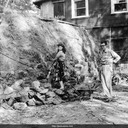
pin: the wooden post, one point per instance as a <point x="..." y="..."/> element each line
<point x="110" y="39"/>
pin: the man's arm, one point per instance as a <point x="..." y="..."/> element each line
<point x="115" y="56"/>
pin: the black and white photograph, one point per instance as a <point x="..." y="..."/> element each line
<point x="63" y="63"/>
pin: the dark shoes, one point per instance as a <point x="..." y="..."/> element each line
<point x="112" y="99"/>
<point x="105" y="98"/>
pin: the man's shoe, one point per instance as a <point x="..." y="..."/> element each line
<point x="61" y="88"/>
<point x="110" y="99"/>
<point x="113" y="99"/>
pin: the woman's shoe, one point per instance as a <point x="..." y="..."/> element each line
<point x="61" y="88"/>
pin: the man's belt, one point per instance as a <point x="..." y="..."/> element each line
<point x="105" y="64"/>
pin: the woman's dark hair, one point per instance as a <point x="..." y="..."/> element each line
<point x="63" y="47"/>
<point x="105" y="42"/>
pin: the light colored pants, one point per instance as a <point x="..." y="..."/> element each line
<point x="106" y="79"/>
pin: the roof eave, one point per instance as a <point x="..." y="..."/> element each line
<point x="38" y="3"/>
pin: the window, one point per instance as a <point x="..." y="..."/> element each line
<point x="59" y="9"/>
<point x="119" y="6"/>
<point x="119" y="39"/>
<point x="79" y="8"/>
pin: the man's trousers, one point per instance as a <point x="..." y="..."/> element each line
<point x="106" y="79"/>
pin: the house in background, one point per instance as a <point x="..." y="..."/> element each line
<point x="105" y="19"/>
<point x="51" y="8"/>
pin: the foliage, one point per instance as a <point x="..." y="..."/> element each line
<point x="17" y="4"/>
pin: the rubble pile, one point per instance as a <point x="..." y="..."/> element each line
<point x="25" y="92"/>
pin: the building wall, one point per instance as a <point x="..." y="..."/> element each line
<point x="101" y="23"/>
<point x="99" y="15"/>
<point x="47" y="10"/>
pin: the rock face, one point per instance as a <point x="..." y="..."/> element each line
<point x="26" y="41"/>
<point x="27" y="49"/>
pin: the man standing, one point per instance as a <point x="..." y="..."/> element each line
<point x="106" y="58"/>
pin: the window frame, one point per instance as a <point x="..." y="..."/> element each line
<point x="117" y="12"/>
<point x="73" y="9"/>
<point x="59" y="1"/>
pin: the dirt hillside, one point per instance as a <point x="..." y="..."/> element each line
<point x="26" y="40"/>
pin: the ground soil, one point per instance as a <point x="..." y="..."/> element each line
<point x="79" y="112"/>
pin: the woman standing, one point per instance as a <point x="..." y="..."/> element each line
<point x="60" y="57"/>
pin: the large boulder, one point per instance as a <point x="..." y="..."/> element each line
<point x="26" y="41"/>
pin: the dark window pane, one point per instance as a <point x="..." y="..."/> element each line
<point x="59" y="9"/>
<point x="119" y="32"/>
<point x="121" y="7"/>
<point x="80" y="4"/>
<point x="80" y="12"/>
<point x="120" y="46"/>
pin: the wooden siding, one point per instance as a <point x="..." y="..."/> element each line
<point x="47" y="10"/>
<point x="99" y="15"/>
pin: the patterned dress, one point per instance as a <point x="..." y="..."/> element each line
<point x="60" y="65"/>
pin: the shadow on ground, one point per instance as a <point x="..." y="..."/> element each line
<point x="79" y="112"/>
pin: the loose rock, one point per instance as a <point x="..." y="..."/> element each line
<point x="17" y="85"/>
<point x="50" y="94"/>
<point x="31" y="102"/>
<point x="36" y="84"/>
<point x="8" y="90"/>
<point x="59" y="92"/>
<point x="47" y="85"/>
<point x="20" y="106"/>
